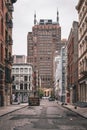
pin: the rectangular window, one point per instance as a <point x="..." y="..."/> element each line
<point x="21" y="86"/>
<point x="26" y="70"/>
<point x="25" y="78"/>
<point x="13" y="87"/>
<point x="17" y="69"/>
<point x="29" y="86"/>
<point x="25" y="86"/>
<point x="21" y="69"/>
<point x="29" y="78"/>
<point x="2" y="27"/>
<point x="13" y="78"/>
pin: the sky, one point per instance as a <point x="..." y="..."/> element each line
<point x="23" y="19"/>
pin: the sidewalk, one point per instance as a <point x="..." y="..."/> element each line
<point x="82" y="111"/>
<point x="8" y="109"/>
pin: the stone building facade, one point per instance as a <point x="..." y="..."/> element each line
<point x="22" y="84"/>
<point x="22" y="79"/>
<point x="82" y="50"/>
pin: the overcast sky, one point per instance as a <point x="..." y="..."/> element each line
<point x="23" y="18"/>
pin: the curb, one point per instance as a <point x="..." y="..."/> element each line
<point x="75" y="112"/>
<point x="13" y="111"/>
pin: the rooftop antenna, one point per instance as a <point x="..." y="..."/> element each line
<point x="57" y="17"/>
<point x="35" y="18"/>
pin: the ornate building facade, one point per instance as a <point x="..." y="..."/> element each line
<point x="82" y="50"/>
<point x="22" y="79"/>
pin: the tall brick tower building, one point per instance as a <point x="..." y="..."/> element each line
<point x="42" y="43"/>
<point x="6" y="25"/>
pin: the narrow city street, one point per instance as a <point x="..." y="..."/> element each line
<point x="48" y="116"/>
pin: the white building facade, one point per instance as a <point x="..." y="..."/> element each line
<point x="22" y="79"/>
<point x="60" y="79"/>
<point x="57" y="73"/>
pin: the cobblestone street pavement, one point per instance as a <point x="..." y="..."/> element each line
<point x="49" y="115"/>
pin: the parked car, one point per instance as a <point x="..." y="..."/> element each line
<point x="45" y="97"/>
<point x="51" y="99"/>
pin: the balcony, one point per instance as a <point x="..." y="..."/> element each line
<point x="8" y="81"/>
<point x="84" y="72"/>
<point x="6" y="60"/>
<point x="9" y="60"/>
<point x="1" y="68"/>
<point x="10" y="7"/>
<point x="9" y="42"/>
<point x="8" y="78"/>
<point x="9" y="23"/>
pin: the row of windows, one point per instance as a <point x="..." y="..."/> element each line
<point x="21" y="87"/>
<point x="44" y="58"/>
<point x="44" y="52"/>
<point x="23" y="78"/>
<point x="45" y="77"/>
<point x="82" y="48"/>
<point x="82" y="29"/>
<point x="30" y="60"/>
<point x="44" y="37"/>
<point x="83" y="11"/>
<point x="45" y="33"/>
<point x="45" y="27"/>
<point x="41" y="58"/>
<point x="44" y="44"/>
<point x="48" y="68"/>
<point x="83" y="65"/>
<point x="21" y="70"/>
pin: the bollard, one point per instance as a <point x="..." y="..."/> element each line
<point x="75" y="107"/>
